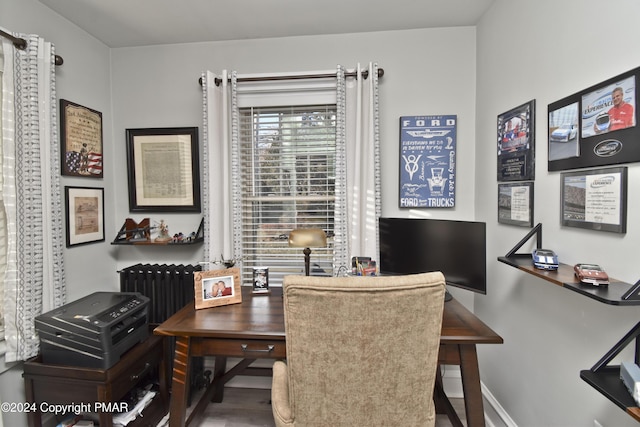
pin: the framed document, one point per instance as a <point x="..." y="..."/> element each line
<point x="85" y="215"/>
<point x="515" y="204"/>
<point x="81" y="137"/>
<point x="595" y="199"/>
<point x="163" y="170"/>
<point x="516" y="142"/>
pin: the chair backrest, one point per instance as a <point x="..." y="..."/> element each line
<point x="362" y="351"/>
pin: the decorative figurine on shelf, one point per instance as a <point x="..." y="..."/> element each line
<point x="163" y="235"/>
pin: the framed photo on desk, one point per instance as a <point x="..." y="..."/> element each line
<point x="217" y="287"/>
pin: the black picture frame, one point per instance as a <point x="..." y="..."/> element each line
<point x="595" y="199"/>
<point x="81" y="140"/>
<point x="596" y="143"/>
<point x="163" y="169"/>
<point x="515" y="203"/>
<point x="516" y="143"/>
<point x="84" y="215"/>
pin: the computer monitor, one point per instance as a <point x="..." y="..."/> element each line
<point x="456" y="248"/>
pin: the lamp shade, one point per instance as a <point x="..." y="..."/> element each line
<point x="307" y="238"/>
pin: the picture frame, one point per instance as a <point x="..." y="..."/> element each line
<point x="595" y="199"/>
<point x="214" y="288"/>
<point x="261" y="280"/>
<point x="163" y="169"/>
<point x="516" y="143"/>
<point x="515" y="203"/>
<point x="606" y="133"/>
<point x="84" y="215"/>
<point x="81" y="140"/>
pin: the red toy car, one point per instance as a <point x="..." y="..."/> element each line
<point x="591" y="274"/>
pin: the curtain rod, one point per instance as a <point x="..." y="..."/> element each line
<point x="22" y="45"/>
<point x="365" y="74"/>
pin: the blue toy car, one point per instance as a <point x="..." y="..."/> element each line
<point x="545" y="259"/>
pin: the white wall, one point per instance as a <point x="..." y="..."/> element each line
<point x="426" y="72"/>
<point x="546" y="50"/>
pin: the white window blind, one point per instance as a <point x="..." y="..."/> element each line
<point x="287" y="164"/>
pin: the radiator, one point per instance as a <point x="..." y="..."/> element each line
<point x="169" y="287"/>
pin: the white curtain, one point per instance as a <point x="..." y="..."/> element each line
<point x="358" y="207"/>
<point x="357" y="169"/>
<point x="217" y="199"/>
<point x="34" y="280"/>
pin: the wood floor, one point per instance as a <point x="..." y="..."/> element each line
<point x="247" y="407"/>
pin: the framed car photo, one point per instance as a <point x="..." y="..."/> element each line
<point x="597" y="126"/>
<point x="516" y="143"/>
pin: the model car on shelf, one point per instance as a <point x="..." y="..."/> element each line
<point x="545" y="259"/>
<point x="564" y="133"/>
<point x="591" y="274"/>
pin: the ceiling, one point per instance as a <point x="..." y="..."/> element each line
<point x="129" y="23"/>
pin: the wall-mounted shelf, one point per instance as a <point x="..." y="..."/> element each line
<point x="606" y="378"/>
<point x="616" y="293"/>
<point x="140" y="235"/>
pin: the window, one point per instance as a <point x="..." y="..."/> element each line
<point x="287" y="159"/>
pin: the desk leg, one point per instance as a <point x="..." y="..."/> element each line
<point x="180" y="382"/>
<point x="218" y="372"/>
<point x="471" y="385"/>
<point x="442" y="402"/>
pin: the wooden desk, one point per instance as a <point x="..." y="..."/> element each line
<point x="255" y="329"/>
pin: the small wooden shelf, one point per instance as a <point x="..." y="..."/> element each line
<point x="125" y="236"/>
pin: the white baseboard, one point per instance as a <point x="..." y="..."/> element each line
<point x="494" y="413"/>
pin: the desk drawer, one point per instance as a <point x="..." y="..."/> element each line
<point x="247" y="349"/>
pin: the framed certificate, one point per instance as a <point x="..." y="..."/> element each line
<point x="515" y="204"/>
<point x="595" y="199"/>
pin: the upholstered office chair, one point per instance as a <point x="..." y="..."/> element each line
<point x="361" y="351"/>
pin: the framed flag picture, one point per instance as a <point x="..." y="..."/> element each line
<point x="81" y="137"/>
<point x="427" y="161"/>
